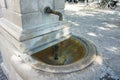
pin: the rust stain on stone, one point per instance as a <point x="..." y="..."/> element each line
<point x="69" y="51"/>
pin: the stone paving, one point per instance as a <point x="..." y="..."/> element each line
<point x="102" y="27"/>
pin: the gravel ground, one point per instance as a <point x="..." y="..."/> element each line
<point x="102" y="27"/>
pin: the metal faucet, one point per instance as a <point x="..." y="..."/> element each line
<point x="50" y="11"/>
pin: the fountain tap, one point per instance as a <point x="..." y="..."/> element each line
<point x="51" y="11"/>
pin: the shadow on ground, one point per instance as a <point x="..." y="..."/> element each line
<point x="102" y="27"/>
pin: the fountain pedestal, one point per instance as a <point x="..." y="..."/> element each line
<point x="27" y="28"/>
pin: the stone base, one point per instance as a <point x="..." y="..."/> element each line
<point x="16" y="69"/>
<point x="25" y="70"/>
<point x="89" y="73"/>
<point x="8" y="74"/>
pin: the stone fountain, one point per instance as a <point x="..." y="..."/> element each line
<point x="36" y="43"/>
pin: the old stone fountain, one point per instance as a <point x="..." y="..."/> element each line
<point x="36" y="43"/>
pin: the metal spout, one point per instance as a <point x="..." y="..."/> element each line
<point x="50" y="11"/>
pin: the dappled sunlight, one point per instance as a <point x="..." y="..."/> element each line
<point x="84" y="14"/>
<point x="73" y="7"/>
<point x="113" y="49"/>
<point x="107" y="11"/>
<point x="92" y="34"/>
<point x="58" y="35"/>
<point x="110" y="26"/>
<point x="75" y="24"/>
<point x="103" y="28"/>
<point x="99" y="60"/>
<point x="64" y="32"/>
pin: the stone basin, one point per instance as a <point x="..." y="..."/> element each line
<point x="73" y="54"/>
<point x="68" y="52"/>
<point x="78" y="59"/>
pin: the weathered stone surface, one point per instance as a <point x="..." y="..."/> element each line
<point x="26" y="13"/>
<point x="25" y="34"/>
<point x="32" y="19"/>
<point x="89" y="73"/>
<point x="45" y="3"/>
<point x="13" y="5"/>
<point x="29" y="6"/>
<point x="0" y="12"/>
<point x="37" y="19"/>
<point x="2" y="3"/>
<point x="13" y="17"/>
<point x="23" y="70"/>
<point x="59" y="4"/>
<point x="31" y="44"/>
<point x="29" y="30"/>
<point x="6" y="55"/>
<point x="21" y="6"/>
